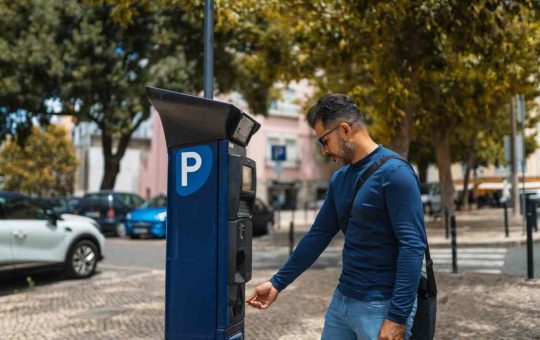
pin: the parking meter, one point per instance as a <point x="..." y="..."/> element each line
<point x="211" y="193"/>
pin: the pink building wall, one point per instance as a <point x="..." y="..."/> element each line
<point x="308" y="169"/>
<point x="153" y="171"/>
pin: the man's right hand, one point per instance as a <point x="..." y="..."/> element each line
<point x="263" y="296"/>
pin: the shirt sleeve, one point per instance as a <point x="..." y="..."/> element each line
<point x="404" y="206"/>
<point x="311" y="245"/>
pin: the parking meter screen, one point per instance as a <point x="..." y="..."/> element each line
<point x="243" y="130"/>
<point x="247" y="178"/>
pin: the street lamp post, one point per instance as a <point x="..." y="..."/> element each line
<point x="209" y="49"/>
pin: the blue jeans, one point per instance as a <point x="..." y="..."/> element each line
<point x="352" y="319"/>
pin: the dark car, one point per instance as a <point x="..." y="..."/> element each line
<point x="109" y="209"/>
<point x="263" y="218"/>
<point x="62" y="204"/>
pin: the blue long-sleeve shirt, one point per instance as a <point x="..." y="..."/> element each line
<point x="384" y="240"/>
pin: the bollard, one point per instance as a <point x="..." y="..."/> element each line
<point x="291" y="237"/>
<point x="454" y="245"/>
<point x="506" y="231"/>
<point x="278" y="217"/>
<point x="446" y="228"/>
<point x="531" y="219"/>
<point x="535" y="213"/>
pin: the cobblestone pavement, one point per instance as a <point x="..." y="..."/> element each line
<point x="126" y="304"/>
<point x="123" y="302"/>
<point x="129" y="304"/>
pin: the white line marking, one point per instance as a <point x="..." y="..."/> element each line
<point x="471" y="256"/>
<point x="472" y="263"/>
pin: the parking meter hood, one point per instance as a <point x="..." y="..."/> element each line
<point x="189" y="119"/>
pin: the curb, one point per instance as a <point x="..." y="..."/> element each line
<point x="446" y="242"/>
<point x="471" y="244"/>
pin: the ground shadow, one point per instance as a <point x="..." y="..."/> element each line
<point x="19" y="282"/>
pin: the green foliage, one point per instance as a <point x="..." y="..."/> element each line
<point x="249" y="53"/>
<point x="46" y="165"/>
<point x="109" y="63"/>
<point x="29" y="64"/>
<point x="97" y="59"/>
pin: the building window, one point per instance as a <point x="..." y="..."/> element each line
<point x="291" y="144"/>
<point x="286" y="105"/>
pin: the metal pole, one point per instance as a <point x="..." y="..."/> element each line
<point x="454" y="245"/>
<point x="446" y="224"/>
<point x="278" y="214"/>
<point x="506" y="231"/>
<point x="515" y="188"/>
<point x="291" y="237"/>
<point x="306" y="211"/>
<point x="531" y="216"/>
<point x="209" y="49"/>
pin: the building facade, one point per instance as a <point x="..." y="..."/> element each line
<point x="87" y="141"/>
<point x="300" y="180"/>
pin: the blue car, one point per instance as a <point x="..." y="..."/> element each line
<point x="148" y="220"/>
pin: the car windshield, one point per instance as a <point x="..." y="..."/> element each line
<point x="155" y="202"/>
<point x="56" y="202"/>
<point x="96" y="196"/>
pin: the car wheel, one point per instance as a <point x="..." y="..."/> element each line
<point x="120" y="230"/>
<point x="81" y="261"/>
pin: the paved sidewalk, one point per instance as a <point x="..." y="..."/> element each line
<point x="128" y="303"/>
<point x="124" y="304"/>
<point x="482" y="227"/>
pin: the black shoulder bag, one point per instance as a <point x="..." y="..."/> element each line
<point x="426" y="312"/>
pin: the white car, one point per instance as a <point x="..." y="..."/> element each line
<point x="32" y="236"/>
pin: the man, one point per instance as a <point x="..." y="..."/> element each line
<point x="384" y="235"/>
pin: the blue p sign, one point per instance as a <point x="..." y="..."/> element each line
<point x="194" y="165"/>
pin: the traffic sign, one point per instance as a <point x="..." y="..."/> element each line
<point x="279" y="153"/>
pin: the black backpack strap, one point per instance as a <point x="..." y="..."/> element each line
<point x="373" y="167"/>
<point x="432" y="286"/>
<point x="360" y="182"/>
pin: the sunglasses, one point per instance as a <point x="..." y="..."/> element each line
<point x="323" y="140"/>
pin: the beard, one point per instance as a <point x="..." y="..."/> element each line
<point x="346" y="154"/>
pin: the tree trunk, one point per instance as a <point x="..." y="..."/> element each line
<point x="111" y="170"/>
<point x="112" y="161"/>
<point x="402" y="139"/>
<point x="423" y="171"/>
<point x="444" y="162"/>
<point x="469" y="164"/>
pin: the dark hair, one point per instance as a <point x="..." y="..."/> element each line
<point x="332" y="107"/>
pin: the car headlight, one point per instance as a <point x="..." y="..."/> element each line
<point x="162" y="216"/>
<point x="128" y="216"/>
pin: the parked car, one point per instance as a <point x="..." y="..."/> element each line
<point x="149" y="219"/>
<point x="430" y="194"/>
<point x="109" y="209"/>
<point x="32" y="236"/>
<point x="263" y="218"/>
<point x="62" y="204"/>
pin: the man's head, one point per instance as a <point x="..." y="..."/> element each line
<point x="337" y="121"/>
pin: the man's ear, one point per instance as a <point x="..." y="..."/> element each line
<point x="346" y="129"/>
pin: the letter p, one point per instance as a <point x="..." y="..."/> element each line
<point x="189" y="168"/>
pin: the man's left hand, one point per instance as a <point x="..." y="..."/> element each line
<point x="391" y="330"/>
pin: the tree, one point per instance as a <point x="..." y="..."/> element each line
<point x="431" y="66"/>
<point x="45" y="165"/>
<point x="489" y="51"/>
<point x="108" y="64"/>
<point x="29" y="65"/>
